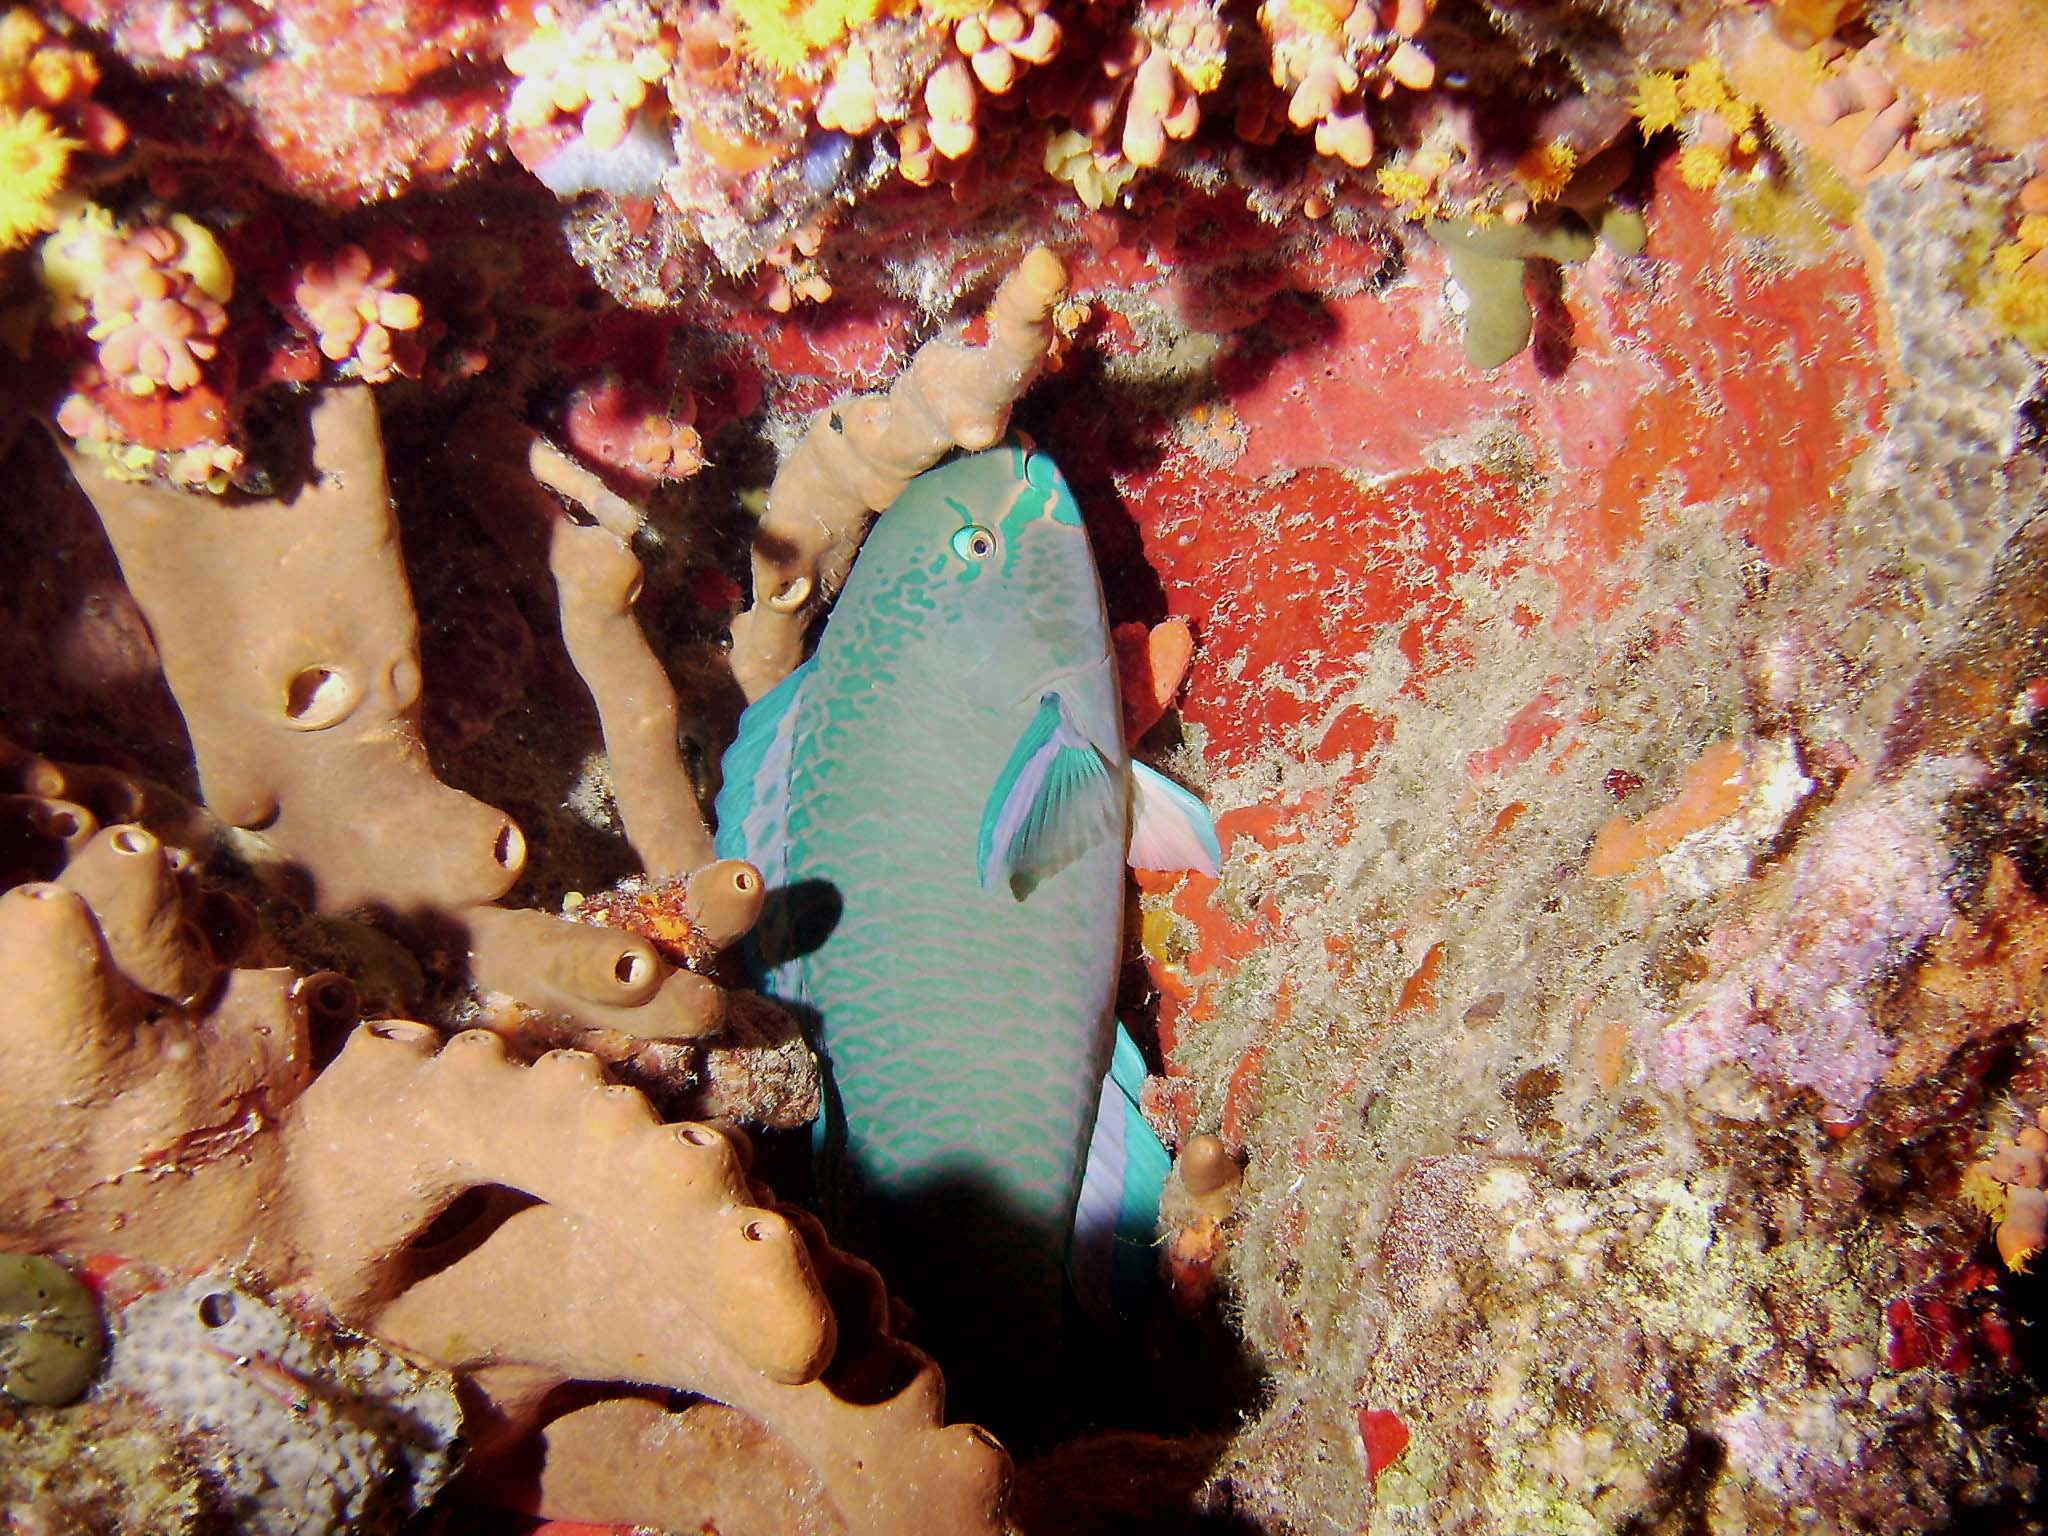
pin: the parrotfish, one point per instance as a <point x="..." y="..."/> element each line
<point x="941" y="804"/>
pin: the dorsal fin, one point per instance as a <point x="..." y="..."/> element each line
<point x="753" y="823"/>
<point x="753" y="802"/>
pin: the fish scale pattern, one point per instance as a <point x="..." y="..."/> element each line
<point x="966" y="1031"/>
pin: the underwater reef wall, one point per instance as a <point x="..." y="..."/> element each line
<point x="1566" y="476"/>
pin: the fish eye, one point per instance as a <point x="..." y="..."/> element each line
<point x="974" y="542"/>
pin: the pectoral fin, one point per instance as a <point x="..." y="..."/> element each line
<point x="1170" y="828"/>
<point x="1054" y="799"/>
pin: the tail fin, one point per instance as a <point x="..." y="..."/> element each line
<point x="1112" y="1252"/>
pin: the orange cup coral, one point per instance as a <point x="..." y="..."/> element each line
<point x="354" y="309"/>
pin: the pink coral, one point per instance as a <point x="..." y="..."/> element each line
<point x="792" y="273"/>
<point x="1002" y="40"/>
<point x="994" y="47"/>
<point x="1140" y="89"/>
<point x="155" y="326"/>
<point x="354" y="309"/>
<point x="599" y="75"/>
<point x="1164" y="102"/>
<point x="1327" y="57"/>
<point x="625" y="432"/>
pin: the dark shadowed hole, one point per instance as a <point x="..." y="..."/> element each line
<point x="875" y="1374"/>
<point x="316" y="696"/>
<point x="229" y="924"/>
<point x="216" y="1309"/>
<point x="461" y="1227"/>
<point x="334" y="1000"/>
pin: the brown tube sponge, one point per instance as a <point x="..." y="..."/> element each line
<point x="675" y="1195"/>
<point x="71" y="1013"/>
<point x="598" y="580"/>
<point x="111" y="1103"/>
<point x="110" y="795"/>
<point x="869" y="1435"/>
<point x="39" y="835"/>
<point x="287" y="633"/>
<point x="126" y="875"/>
<point x="708" y="1467"/>
<point x="724" y="901"/>
<point x="860" y="453"/>
<point x="600" y="977"/>
<point x="191" y="1136"/>
<point x="564" y="476"/>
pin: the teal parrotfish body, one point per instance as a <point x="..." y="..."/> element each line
<point x="941" y="805"/>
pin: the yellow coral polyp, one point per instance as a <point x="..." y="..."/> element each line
<point x="201" y="258"/>
<point x="1097" y="180"/>
<point x="1702" y="167"/>
<point x="1404" y="184"/>
<point x="1703" y="88"/>
<point x="1203" y="74"/>
<point x="1983" y="1193"/>
<point x="1546" y="170"/>
<point x="1655" y="103"/>
<point x="1412" y="186"/>
<point x="34" y="156"/>
<point x="787" y="35"/>
<point x="69" y="262"/>
<point x="2018" y="301"/>
<point x="2017" y="295"/>
<point x="1320" y="17"/>
<point x="126" y="462"/>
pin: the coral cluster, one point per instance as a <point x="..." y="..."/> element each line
<point x="2009" y="1183"/>
<point x="287" y="634"/>
<point x="191" y="1131"/>
<point x="356" y="313"/>
<point x="150" y="300"/>
<point x="321" y="1433"/>
<point x="47" y="115"/>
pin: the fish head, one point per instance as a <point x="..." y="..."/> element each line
<point x="987" y="556"/>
